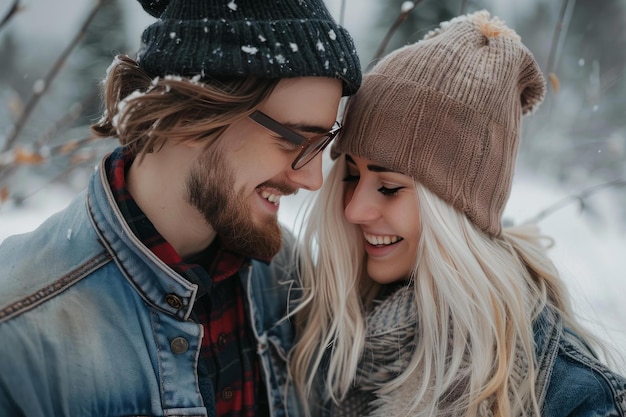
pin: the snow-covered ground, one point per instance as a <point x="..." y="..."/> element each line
<point x="591" y="255"/>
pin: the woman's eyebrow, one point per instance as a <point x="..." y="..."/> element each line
<point x="378" y="168"/>
<point x="372" y="167"/>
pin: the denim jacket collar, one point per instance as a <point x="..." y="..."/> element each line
<point x="160" y="286"/>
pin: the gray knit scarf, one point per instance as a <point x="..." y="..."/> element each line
<point x="389" y="345"/>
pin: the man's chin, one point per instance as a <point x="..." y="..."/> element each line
<point x="261" y="243"/>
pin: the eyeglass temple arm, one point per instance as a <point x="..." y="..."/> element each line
<point x="265" y="120"/>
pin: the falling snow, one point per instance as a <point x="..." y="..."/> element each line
<point x="39" y="86"/>
<point x="113" y="64"/>
<point x="174" y="77"/>
<point x="407" y="6"/>
<point x="249" y="49"/>
<point x="121" y="108"/>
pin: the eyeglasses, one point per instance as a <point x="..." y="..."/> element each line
<point x="310" y="147"/>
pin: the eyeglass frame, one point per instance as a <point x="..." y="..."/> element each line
<point x="320" y="142"/>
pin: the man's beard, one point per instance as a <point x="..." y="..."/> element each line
<point x="211" y="190"/>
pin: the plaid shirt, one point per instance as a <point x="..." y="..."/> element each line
<point x="228" y="368"/>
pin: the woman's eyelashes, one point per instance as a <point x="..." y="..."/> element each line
<point x="388" y="192"/>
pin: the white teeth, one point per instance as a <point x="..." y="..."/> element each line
<point x="381" y="240"/>
<point x="272" y="198"/>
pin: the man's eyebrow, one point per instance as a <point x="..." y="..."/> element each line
<point x="303" y="127"/>
<point x="372" y="167"/>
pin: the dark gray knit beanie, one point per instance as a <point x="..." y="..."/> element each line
<point x="240" y="38"/>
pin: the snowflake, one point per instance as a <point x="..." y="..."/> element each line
<point x="39" y="86"/>
<point x="249" y="49"/>
<point x="407" y="6"/>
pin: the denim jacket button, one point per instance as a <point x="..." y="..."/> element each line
<point x="179" y="345"/>
<point x="227" y="394"/>
<point x="174" y="301"/>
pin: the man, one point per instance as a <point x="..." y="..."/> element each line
<point x="153" y="292"/>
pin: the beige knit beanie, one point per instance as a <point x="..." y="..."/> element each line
<point x="447" y="111"/>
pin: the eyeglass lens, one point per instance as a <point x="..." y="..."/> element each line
<point x="311" y="150"/>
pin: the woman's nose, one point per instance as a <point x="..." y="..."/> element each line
<point x="360" y="206"/>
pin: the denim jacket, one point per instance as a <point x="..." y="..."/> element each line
<point x="570" y="380"/>
<point x="92" y="323"/>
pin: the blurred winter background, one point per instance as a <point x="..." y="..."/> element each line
<point x="571" y="171"/>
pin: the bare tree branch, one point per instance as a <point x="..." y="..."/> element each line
<point x="463" y="7"/>
<point x="41" y="86"/>
<point x="405" y="10"/>
<point x="72" y="114"/>
<point x="35" y="156"/>
<point x="342" y="12"/>
<point x="77" y="152"/>
<point x="577" y="198"/>
<point x="555" y="39"/>
<point x="15" y="7"/>
<point x="78" y="163"/>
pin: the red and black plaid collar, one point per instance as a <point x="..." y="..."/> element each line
<point x="216" y="262"/>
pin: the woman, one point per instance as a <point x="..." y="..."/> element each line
<point x="417" y="301"/>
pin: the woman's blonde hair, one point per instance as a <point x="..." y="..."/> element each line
<point x="144" y="112"/>
<point x="476" y="298"/>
